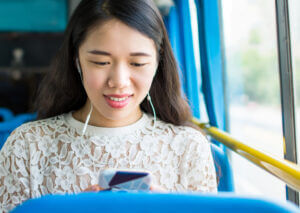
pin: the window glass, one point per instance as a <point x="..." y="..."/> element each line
<point x="253" y="89"/>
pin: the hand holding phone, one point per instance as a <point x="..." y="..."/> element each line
<point x="123" y="180"/>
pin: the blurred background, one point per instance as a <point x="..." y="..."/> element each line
<point x="31" y="32"/>
<point x="253" y="88"/>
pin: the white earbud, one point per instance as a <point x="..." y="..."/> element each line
<point x="78" y="68"/>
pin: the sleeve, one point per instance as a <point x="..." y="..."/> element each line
<point x="14" y="175"/>
<point x="197" y="168"/>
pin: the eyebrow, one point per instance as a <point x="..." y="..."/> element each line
<point x="140" y="54"/>
<point x="99" y="52"/>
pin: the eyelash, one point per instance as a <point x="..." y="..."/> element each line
<point x="138" y="65"/>
<point x="101" y="63"/>
<point x="106" y="63"/>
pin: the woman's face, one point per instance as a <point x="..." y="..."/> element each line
<point x="118" y="65"/>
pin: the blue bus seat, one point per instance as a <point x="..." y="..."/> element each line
<point x="6" y="127"/>
<point x="6" y="114"/>
<point x="223" y="169"/>
<point x="124" y="202"/>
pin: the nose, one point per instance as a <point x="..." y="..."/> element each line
<point x="119" y="76"/>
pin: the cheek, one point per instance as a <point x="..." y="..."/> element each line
<point x="143" y="82"/>
<point x="94" y="81"/>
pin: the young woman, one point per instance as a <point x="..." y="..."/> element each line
<point x="112" y="100"/>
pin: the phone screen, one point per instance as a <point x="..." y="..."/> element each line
<point x="124" y="180"/>
<point x="121" y="177"/>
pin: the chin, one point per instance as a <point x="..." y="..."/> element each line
<point x="116" y="115"/>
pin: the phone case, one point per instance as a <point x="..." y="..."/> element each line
<point x="118" y="180"/>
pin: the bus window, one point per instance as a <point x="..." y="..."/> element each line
<point x="294" y="7"/>
<point x="194" y="22"/>
<point x="253" y="90"/>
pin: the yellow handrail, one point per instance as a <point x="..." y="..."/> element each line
<point x="285" y="170"/>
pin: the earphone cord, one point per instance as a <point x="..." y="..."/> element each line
<point x="154" y="113"/>
<point x="85" y="127"/>
<point x="87" y="120"/>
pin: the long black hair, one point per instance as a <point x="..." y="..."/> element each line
<point x="61" y="90"/>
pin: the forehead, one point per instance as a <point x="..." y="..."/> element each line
<point x="115" y="36"/>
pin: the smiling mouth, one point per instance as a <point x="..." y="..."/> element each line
<point x="118" y="99"/>
<point x="118" y="102"/>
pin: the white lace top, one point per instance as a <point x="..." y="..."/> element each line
<point x="47" y="156"/>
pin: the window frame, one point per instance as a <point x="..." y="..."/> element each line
<point x="286" y="88"/>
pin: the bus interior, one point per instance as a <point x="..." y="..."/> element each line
<point x="239" y="67"/>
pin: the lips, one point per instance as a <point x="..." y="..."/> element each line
<point x="118" y="101"/>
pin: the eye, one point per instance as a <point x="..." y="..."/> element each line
<point x="138" y="64"/>
<point x="101" y="63"/>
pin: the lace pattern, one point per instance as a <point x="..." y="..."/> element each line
<point x="47" y="156"/>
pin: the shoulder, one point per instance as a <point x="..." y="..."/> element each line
<point x="38" y="125"/>
<point x="186" y="132"/>
<point x="33" y="130"/>
<point x="181" y="139"/>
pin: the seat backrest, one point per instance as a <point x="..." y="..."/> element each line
<point x="223" y="169"/>
<point x="110" y="202"/>
<point x="5" y="114"/>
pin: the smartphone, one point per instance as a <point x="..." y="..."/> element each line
<point x="123" y="180"/>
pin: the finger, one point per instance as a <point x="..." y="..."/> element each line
<point x="156" y="188"/>
<point x="93" y="188"/>
<point x="97" y="188"/>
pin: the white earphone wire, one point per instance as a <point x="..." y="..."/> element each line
<point x="84" y="129"/>
<point x="153" y="109"/>
<point x="87" y="121"/>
